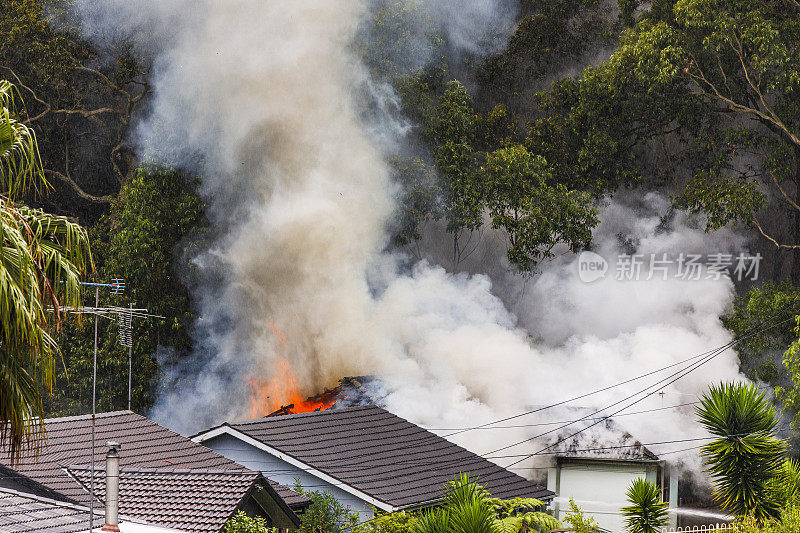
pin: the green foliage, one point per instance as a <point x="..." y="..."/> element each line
<point x="42" y="260"/>
<point x="760" y="349"/>
<point x="419" y="199"/>
<point x="723" y="199"/>
<point x="787" y="522"/>
<point x="534" y="215"/>
<point x="703" y="89"/>
<point x="551" y="37"/>
<point x="746" y="456"/>
<point x="784" y="488"/>
<point x="790" y="395"/>
<point x="401" y="39"/>
<point x="20" y="165"/>
<point x="456" y="159"/>
<point x="80" y="102"/>
<point x="578" y="522"/>
<point x="646" y="512"/>
<point x="241" y="523"/>
<point x="469" y="508"/>
<point x="325" y="514"/>
<point x="154" y="225"/>
<point x="399" y="522"/>
<point x="479" y="171"/>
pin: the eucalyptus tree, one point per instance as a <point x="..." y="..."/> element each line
<point x="701" y="96"/>
<point x="42" y="258"/>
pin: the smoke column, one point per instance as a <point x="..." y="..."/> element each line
<point x="267" y="100"/>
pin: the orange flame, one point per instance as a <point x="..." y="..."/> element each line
<point x="282" y="393"/>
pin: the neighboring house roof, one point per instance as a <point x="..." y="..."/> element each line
<point x="22" y="512"/>
<point x="155" y="461"/>
<point x="160" y="496"/>
<point x="369" y="451"/>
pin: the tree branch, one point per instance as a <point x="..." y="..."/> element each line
<point x="771" y="119"/>
<point x="785" y="196"/>
<point x="47" y="106"/>
<point x="106" y="199"/>
<point x="773" y="240"/>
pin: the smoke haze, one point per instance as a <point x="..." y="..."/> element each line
<point x="267" y="101"/>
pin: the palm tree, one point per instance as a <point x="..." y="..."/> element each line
<point x="646" y="512"/>
<point x="469" y="508"/>
<point x="42" y="257"/>
<point x="747" y="456"/>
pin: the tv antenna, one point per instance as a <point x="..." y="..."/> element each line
<point x="124" y="318"/>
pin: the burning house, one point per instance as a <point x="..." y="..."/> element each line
<point x="366" y="457"/>
<point x="596" y="471"/>
<point x="349" y="392"/>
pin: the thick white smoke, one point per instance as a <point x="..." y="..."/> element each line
<point x="474" y="361"/>
<point x="267" y="100"/>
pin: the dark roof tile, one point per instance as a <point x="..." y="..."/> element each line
<point x="382" y="455"/>
<point x="27" y="513"/>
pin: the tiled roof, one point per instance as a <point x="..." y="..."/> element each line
<point x="382" y="455"/>
<point x="191" y="500"/>
<point x="23" y="512"/>
<point x="144" y="445"/>
<point x="20" y="512"/>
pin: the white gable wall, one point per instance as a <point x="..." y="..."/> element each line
<point x="285" y="473"/>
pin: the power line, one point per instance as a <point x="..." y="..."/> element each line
<point x="679" y="374"/>
<point x="580" y="397"/>
<point x="751" y="332"/>
<point x="559" y="422"/>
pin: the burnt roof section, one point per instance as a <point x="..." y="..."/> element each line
<point x="606" y="439"/>
<point x="144" y="445"/>
<point x="383" y="455"/>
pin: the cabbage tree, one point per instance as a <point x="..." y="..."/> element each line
<point x="646" y="512"/>
<point x="746" y="457"/>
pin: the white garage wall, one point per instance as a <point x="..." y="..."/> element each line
<point x="598" y="489"/>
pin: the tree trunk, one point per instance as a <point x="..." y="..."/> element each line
<point x="796" y="232"/>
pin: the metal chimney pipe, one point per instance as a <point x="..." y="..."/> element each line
<point x="112" y="487"/>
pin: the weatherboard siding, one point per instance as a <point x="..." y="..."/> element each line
<point x="284" y="473"/>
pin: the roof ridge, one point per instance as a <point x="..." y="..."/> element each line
<point x="332" y="410"/>
<point x="107" y="414"/>
<point x="57" y="503"/>
<point x="163" y="471"/>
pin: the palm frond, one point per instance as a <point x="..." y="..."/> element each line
<point x="472" y="517"/>
<point x="540" y="522"/>
<point x="42" y="258"/>
<point x="20" y="164"/>
<point x="435" y="521"/>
